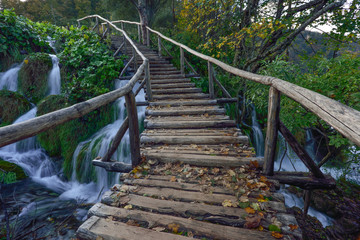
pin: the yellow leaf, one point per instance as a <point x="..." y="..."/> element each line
<point x="293" y="227"/>
<point x="231" y="173"/>
<point x="250" y="210"/>
<point x="128" y="206"/>
<point x="173" y="179"/>
<point x="276" y="235"/>
<point x="26" y="61"/>
<point x="260" y="228"/>
<point x="174" y="227"/>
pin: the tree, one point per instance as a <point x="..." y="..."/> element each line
<point x="251" y="31"/>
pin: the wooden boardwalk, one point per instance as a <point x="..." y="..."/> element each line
<point x="199" y="178"/>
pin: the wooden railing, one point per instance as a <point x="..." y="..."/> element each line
<point x="339" y="116"/>
<point x="15" y="132"/>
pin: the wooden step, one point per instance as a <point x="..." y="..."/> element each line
<point x="186" y="124"/>
<point x="184" y="111"/>
<point x="168" y="76"/>
<point x="155" y="66"/>
<point x="198" y="228"/>
<point x="164" y="72"/>
<point x="176" y="91"/>
<point x="181" y="96"/>
<point x="188" y="118"/>
<point x="170" y="80"/>
<point x="203" y="160"/>
<point x="184" y="102"/>
<point x="193" y="139"/>
<point x="100" y="228"/>
<point x="172" y="85"/>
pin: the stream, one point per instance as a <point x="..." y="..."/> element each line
<point x="45" y="201"/>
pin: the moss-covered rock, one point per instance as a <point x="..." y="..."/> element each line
<point x="33" y="76"/>
<point x="7" y="167"/>
<point x="12" y="105"/>
<point x="62" y="140"/>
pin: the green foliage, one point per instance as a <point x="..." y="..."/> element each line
<point x="62" y="140"/>
<point x="10" y="172"/>
<point x="89" y="65"/>
<point x="33" y="76"/>
<point x="17" y="35"/>
<point x="12" y="105"/>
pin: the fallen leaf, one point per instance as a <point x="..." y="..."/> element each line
<point x="128" y="206"/>
<point x="244" y="199"/>
<point x="261" y="228"/>
<point x="293" y="227"/>
<point x="131" y="222"/>
<point x="277" y="235"/>
<point x="263" y="179"/>
<point x="252" y="221"/>
<point x="231" y="173"/>
<point x="173" y="179"/>
<point x="215" y="170"/>
<point x="174" y="227"/>
<point x="159" y="229"/>
<point x="254" y="164"/>
<point x="99" y="238"/>
<point x="249" y="210"/>
<point x="229" y="203"/>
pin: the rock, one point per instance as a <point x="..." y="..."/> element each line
<point x="12" y="106"/>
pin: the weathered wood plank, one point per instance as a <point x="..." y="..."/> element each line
<point x="173" y="85"/>
<point x="182" y="96"/>
<point x="176" y="91"/>
<point x="111" y="230"/>
<point x="198" y="228"/>
<point x="177" y="185"/>
<point x="113" y="166"/>
<point x="188" y="111"/>
<point x="194" y="124"/>
<point x="193" y="139"/>
<point x="204" y="160"/>
<point x="304" y="180"/>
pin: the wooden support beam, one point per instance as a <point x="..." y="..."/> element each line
<point x="147" y="37"/>
<point x="167" y="51"/>
<point x="118" y="50"/>
<point x="139" y="88"/>
<point x="134" y="57"/>
<point x="191" y="67"/>
<point x="133" y="128"/>
<point x="113" y="166"/>
<point x="211" y="80"/>
<point x="304" y="180"/>
<point x="159" y="46"/>
<point x="272" y="131"/>
<point x="182" y="60"/>
<point x="307" y="199"/>
<point x="117" y="139"/>
<point x="139" y="33"/>
<point x="126" y="66"/>
<point x="300" y="151"/>
<point x="223" y="89"/>
<point x="148" y="81"/>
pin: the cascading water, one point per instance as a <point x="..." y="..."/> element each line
<point x="54" y="79"/>
<point x="99" y="143"/>
<point x="257" y="134"/>
<point x="9" y="79"/>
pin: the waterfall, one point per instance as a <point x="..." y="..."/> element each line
<point x="257" y="134"/>
<point x="54" y="79"/>
<point x="99" y="143"/>
<point x="9" y="79"/>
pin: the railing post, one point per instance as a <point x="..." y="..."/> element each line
<point x="103" y="27"/>
<point x="133" y="128"/>
<point x="134" y="56"/>
<point x="211" y="80"/>
<point x="109" y="30"/>
<point x="147" y="37"/>
<point x="272" y="131"/>
<point x="139" y="33"/>
<point x="147" y="79"/>
<point x="159" y="46"/>
<point x="79" y="25"/>
<point x="182" y="61"/>
<point x="122" y="26"/>
<point x="124" y="44"/>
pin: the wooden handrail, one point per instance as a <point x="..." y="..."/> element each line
<point x="344" y="119"/>
<point x="16" y="132"/>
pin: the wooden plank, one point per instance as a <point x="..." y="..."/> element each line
<point x="197" y="152"/>
<point x="189" y="118"/>
<point x="177" y="91"/>
<point x="99" y="228"/>
<point x="113" y="166"/>
<point x="194" y="139"/>
<point x="272" y="131"/>
<point x="300" y="151"/>
<point x="178" y="185"/>
<point x="194" y="124"/>
<point x="197" y="132"/>
<point x="173" y="85"/>
<point x="182" y="111"/>
<point x="198" y="228"/>
<point x="204" y="160"/>
<point x="304" y="180"/>
<point x="133" y="129"/>
<point x="182" y="96"/>
<point x="185" y="102"/>
<point x="182" y="59"/>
